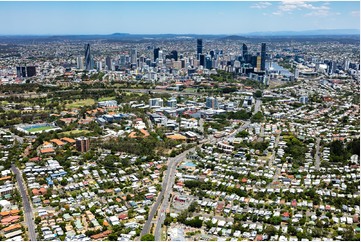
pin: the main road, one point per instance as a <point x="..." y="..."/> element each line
<point x="167" y="185"/>
<point x="317" y="154"/>
<point x="162" y="202"/>
<point x="28" y="212"/>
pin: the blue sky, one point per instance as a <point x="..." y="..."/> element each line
<point x="175" y="17"/>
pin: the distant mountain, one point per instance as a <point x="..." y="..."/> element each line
<point x="234" y="37"/>
<point x="119" y="34"/>
<point x="307" y="32"/>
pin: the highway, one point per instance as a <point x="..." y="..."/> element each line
<point x="317" y="154"/>
<point x="28" y="212"/>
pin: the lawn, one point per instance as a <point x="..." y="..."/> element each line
<point x="106" y="99"/>
<point x="42" y="128"/>
<point x="75" y="132"/>
<point x="190" y="90"/>
<point x="81" y="103"/>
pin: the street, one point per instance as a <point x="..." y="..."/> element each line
<point x="164" y="194"/>
<point x="317" y="154"/>
<point x="168" y="184"/>
<point x="28" y="213"/>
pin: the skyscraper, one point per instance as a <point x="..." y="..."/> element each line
<point x="21" y="71"/>
<point x="88" y="59"/>
<point x="30" y="71"/>
<point x="156" y="53"/>
<point x="244" y="50"/>
<point x="212" y="102"/>
<point x="202" y="60"/>
<point x="263" y="57"/>
<point x="108" y="62"/>
<point x="133" y="56"/>
<point x="175" y="55"/>
<point x="208" y="62"/>
<point x="259" y="63"/>
<point x="199" y="47"/>
<point x="79" y="62"/>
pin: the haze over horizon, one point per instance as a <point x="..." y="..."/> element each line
<point x="228" y="18"/>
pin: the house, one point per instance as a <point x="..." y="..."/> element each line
<point x="47" y="151"/>
<point x="113" y="220"/>
<point x="101" y="235"/>
<point x="123" y="216"/>
<point x="9" y="220"/>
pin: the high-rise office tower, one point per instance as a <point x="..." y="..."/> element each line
<point x="156" y="53"/>
<point x="108" y="62"/>
<point x="212" y="102"/>
<point x="88" y="59"/>
<point x="133" y="56"/>
<point x="244" y="50"/>
<point x="202" y="60"/>
<point x="212" y="53"/>
<point x="30" y="71"/>
<point x="122" y="60"/>
<point x="175" y="55"/>
<point x="199" y="47"/>
<point x="21" y="71"/>
<point x="208" y="62"/>
<point x="79" y="62"/>
<point x="259" y="63"/>
<point x="263" y="57"/>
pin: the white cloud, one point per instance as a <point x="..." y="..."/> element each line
<point x="355" y="13"/>
<point x="294" y="5"/>
<point x="261" y="5"/>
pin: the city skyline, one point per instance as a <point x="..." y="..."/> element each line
<point x="62" y="18"/>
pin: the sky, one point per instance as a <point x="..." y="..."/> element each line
<point x="43" y="18"/>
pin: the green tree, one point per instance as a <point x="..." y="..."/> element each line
<point x="147" y="237"/>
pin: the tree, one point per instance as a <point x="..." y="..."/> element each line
<point x="113" y="237"/>
<point x="37" y="220"/>
<point x="258" y="93"/>
<point x="349" y="233"/>
<point x="257" y="117"/>
<point x="270" y="230"/>
<point x="147" y="237"/>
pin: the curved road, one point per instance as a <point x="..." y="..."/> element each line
<point x="166" y="189"/>
<point x="163" y="198"/>
<point x="28" y="212"/>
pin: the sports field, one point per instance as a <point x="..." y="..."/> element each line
<point x="75" y="132"/>
<point x="80" y="103"/>
<point x="106" y="98"/>
<point x="37" y="129"/>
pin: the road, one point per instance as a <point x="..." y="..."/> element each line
<point x="167" y="185"/>
<point x="271" y="163"/>
<point x="28" y="212"/>
<point x="317" y="154"/>
<point x="167" y="188"/>
<point x="257" y="106"/>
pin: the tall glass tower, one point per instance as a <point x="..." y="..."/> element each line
<point x="88" y="59"/>
<point x="244" y="50"/>
<point x="263" y="57"/>
<point x="199" y="47"/>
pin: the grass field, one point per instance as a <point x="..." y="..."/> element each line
<point x="190" y="90"/>
<point x="81" y="103"/>
<point x="106" y="99"/>
<point x="40" y="129"/>
<point x="76" y="132"/>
